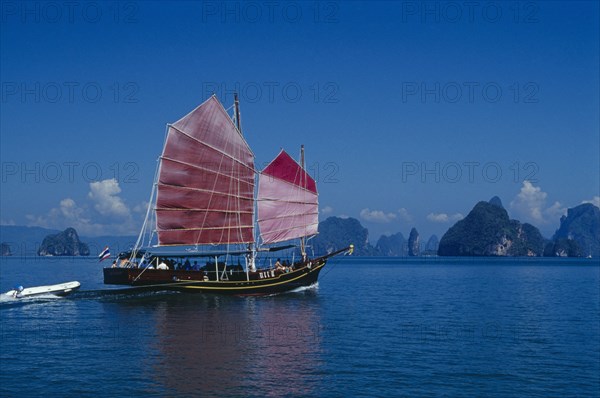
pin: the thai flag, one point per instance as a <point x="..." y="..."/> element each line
<point x="105" y="254"/>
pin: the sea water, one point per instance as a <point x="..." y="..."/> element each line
<point x="372" y="327"/>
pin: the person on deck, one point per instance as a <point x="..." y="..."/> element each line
<point x="18" y="291"/>
<point x="278" y="265"/>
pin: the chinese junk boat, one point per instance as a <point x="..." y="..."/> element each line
<point x="200" y="230"/>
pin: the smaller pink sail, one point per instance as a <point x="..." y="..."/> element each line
<point x="288" y="205"/>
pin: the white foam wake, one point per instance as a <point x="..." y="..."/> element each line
<point x="314" y="286"/>
<point x="10" y="298"/>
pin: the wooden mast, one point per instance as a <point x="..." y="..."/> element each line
<point x="236" y="102"/>
<point x="249" y="259"/>
<point x="302" y="239"/>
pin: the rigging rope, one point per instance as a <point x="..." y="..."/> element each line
<point x="328" y="270"/>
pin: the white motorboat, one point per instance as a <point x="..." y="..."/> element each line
<point x="61" y="289"/>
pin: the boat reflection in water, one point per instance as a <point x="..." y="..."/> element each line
<point x="219" y="345"/>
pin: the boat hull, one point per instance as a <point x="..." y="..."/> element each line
<point x="61" y="289"/>
<point x="260" y="283"/>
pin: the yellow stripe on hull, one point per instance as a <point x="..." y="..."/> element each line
<point x="251" y="287"/>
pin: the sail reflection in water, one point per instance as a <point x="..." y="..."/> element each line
<point x="216" y="345"/>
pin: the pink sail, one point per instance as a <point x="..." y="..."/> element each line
<point x="206" y="181"/>
<point x="287" y="201"/>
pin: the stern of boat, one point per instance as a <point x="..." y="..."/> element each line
<point x="116" y="276"/>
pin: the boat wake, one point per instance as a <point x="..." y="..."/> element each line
<point x="9" y="300"/>
<point x="313" y="287"/>
<point x="122" y="294"/>
<point x="302" y="289"/>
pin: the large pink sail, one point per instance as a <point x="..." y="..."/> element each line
<point x="287" y="201"/>
<point x="206" y="181"/>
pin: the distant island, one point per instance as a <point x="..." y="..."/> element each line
<point x="335" y="233"/>
<point x="65" y="243"/>
<point x="27" y="241"/>
<point x="486" y="231"/>
<point x="578" y="234"/>
<point x="394" y="245"/>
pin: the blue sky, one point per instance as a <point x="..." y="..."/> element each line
<point x="411" y="112"/>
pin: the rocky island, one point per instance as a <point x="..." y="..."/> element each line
<point x="335" y="233"/>
<point x="391" y="246"/>
<point x="414" y="245"/>
<point x="578" y="234"/>
<point x="488" y="231"/>
<point x="65" y="243"/>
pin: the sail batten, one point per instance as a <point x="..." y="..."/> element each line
<point x="204" y="169"/>
<point x="192" y="190"/>
<point x="206" y="210"/>
<point x="287" y="201"/>
<point x="276" y="234"/>
<point x="211" y="147"/>
<point x="205" y="189"/>
<point x="218" y="227"/>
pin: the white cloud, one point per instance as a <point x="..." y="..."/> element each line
<point x="69" y="209"/>
<point x="141" y="208"/>
<point x="377" y="216"/>
<point x="444" y="217"/>
<point x="7" y="222"/>
<point x="529" y="202"/>
<point x="404" y="215"/>
<point x="67" y="214"/>
<point x="108" y="214"/>
<point x="595" y="201"/>
<point x="530" y="205"/>
<point x="556" y="211"/>
<point x="327" y="210"/>
<point x="104" y="194"/>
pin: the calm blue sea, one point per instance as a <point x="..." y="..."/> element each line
<point x="373" y="327"/>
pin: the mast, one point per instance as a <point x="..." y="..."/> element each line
<point x="236" y="103"/>
<point x="302" y="239"/>
<point x="250" y="265"/>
